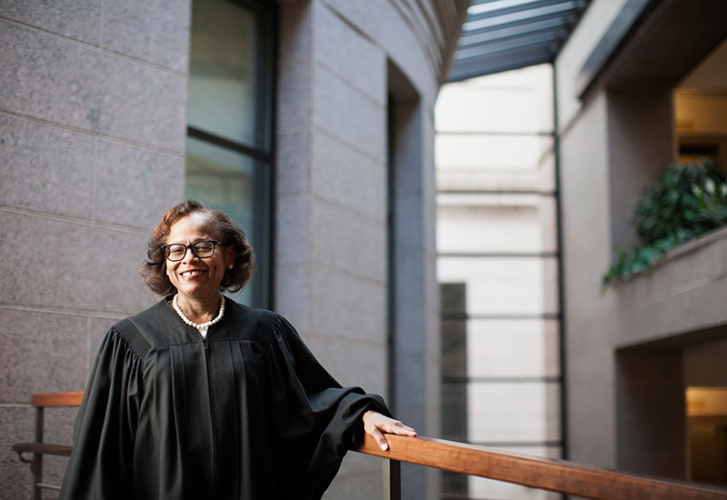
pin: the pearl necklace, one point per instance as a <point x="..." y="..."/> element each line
<point x="191" y="323"/>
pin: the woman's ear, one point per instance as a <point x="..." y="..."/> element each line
<point x="230" y="256"/>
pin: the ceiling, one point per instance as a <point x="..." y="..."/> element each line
<point x="711" y="74"/>
<point x="500" y="35"/>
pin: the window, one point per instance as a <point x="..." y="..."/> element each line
<point x="229" y="144"/>
<point x="498" y="269"/>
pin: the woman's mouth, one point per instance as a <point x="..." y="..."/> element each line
<point x="192" y="273"/>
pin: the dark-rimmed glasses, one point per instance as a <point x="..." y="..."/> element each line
<point x="202" y="249"/>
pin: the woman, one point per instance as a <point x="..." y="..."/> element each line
<point x="201" y="397"/>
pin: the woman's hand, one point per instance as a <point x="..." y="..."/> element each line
<point x="376" y="425"/>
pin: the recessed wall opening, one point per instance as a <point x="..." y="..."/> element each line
<point x="707" y="412"/>
<point x="700" y="107"/>
<point x="706" y="397"/>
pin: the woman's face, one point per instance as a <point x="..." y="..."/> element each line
<point x="195" y="278"/>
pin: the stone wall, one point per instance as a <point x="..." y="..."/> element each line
<point x="92" y="144"/>
<point x="357" y="85"/>
<point x="92" y="137"/>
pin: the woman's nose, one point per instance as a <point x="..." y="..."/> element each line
<point x="189" y="256"/>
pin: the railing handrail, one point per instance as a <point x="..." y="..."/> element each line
<point x="56" y="399"/>
<point x="542" y="473"/>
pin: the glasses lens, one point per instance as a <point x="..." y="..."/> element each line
<point x="204" y="249"/>
<point x="175" y="252"/>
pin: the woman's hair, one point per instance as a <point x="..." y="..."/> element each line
<point x="218" y="224"/>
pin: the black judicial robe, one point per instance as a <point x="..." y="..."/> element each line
<point x="246" y="413"/>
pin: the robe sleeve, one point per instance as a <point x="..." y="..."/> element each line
<point x="100" y="466"/>
<point x="317" y="420"/>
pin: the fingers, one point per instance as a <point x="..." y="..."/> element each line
<point x="376" y="424"/>
<point x="401" y="429"/>
<point x="391" y="426"/>
<point x="380" y="438"/>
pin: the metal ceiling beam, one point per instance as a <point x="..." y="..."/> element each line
<point x="479" y="37"/>
<point x="498" y="64"/>
<point x="558" y="7"/>
<point x="500" y="35"/>
<point x="537" y="39"/>
<point x="505" y="7"/>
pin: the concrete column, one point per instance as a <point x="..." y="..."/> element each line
<point x="415" y="298"/>
<point x="641" y="142"/>
<point x="331" y="228"/>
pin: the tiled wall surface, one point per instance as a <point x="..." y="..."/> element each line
<point x="92" y="137"/>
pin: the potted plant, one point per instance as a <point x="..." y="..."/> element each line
<point x="686" y="201"/>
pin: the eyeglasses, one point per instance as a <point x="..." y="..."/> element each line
<point x="201" y="249"/>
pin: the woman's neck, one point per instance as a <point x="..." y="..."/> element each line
<point x="199" y="310"/>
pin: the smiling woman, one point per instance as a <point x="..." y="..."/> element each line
<point x="202" y="397"/>
<point x="195" y="277"/>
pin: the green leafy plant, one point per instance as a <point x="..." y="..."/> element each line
<point x="686" y="201"/>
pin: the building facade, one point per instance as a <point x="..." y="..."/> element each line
<point x="638" y="83"/>
<point x="310" y="121"/>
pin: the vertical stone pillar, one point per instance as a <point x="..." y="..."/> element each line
<point x="331" y="231"/>
<point x="415" y="298"/>
<point x="641" y="142"/>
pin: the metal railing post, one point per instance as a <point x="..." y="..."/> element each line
<point x="392" y="479"/>
<point x="37" y="457"/>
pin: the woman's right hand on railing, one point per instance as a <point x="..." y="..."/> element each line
<point x="376" y="425"/>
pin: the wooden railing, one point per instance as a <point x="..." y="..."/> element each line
<point x="542" y="473"/>
<point x="38" y="448"/>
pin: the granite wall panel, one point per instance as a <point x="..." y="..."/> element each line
<point x="57" y="80"/>
<point x="352" y="363"/>
<point x="406" y="44"/>
<point x="293" y="224"/>
<point x="335" y="46"/>
<point x="348" y="244"/>
<point x="357" y="487"/>
<point x="347" y="307"/>
<point x="293" y="287"/>
<point x="349" y="178"/>
<point x="40" y="353"/>
<point x="156" y="31"/>
<point x="71" y="266"/>
<point x="92" y="141"/>
<point x="335" y="102"/>
<point x="293" y="157"/>
<point x="76" y="19"/>
<point x="46" y="169"/>
<point x="361" y="463"/>
<point x="295" y="95"/>
<point x="137" y="186"/>
<point x="17" y="424"/>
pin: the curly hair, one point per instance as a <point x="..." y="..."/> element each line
<point x="218" y="224"/>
